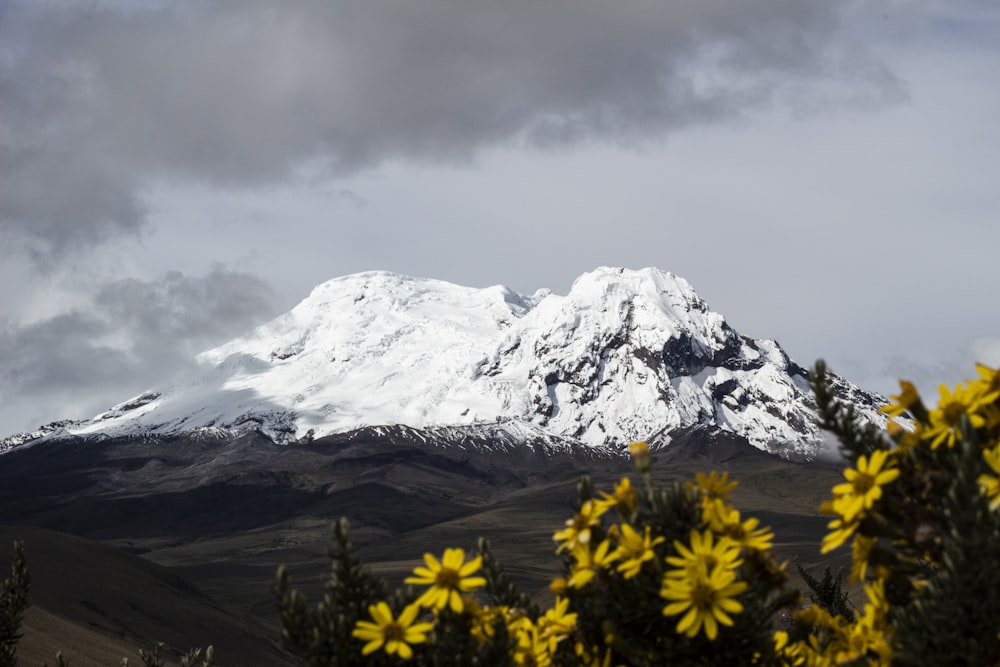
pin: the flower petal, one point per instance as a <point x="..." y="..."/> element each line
<point x="471" y="566"/>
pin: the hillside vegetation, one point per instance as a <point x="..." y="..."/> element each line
<point x="653" y="565"/>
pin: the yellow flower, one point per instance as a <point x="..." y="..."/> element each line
<point x="396" y="635"/>
<point x="634" y="550"/>
<point x="946" y="418"/>
<point x="842" y="529"/>
<point x="555" y="625"/>
<point x="863" y="486"/>
<point x="639" y="451"/>
<point x="817" y="616"/>
<point x="703" y="584"/>
<point x="625" y="498"/>
<point x="745" y="534"/>
<point x="577" y="530"/>
<point x="861" y="549"/>
<point x="906" y="399"/>
<point x="484" y="619"/>
<point x="705" y="597"/>
<point x="987" y="388"/>
<point x="868" y="634"/>
<point x="856" y="641"/>
<point x="715" y="490"/>
<point x="906" y="438"/>
<point x="714" y="485"/>
<point x="989" y="485"/>
<point x="448" y="579"/>
<point x="705" y="553"/>
<point x="586" y="563"/>
<point x="988" y="383"/>
<point x="877" y="608"/>
<point x="592" y="657"/>
<point x="991" y="416"/>
<point x="714" y="511"/>
<point x="794" y="654"/>
<point x="531" y="649"/>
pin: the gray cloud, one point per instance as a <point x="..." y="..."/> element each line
<point x="132" y="335"/>
<point x="101" y="104"/>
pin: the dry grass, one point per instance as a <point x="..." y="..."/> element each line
<point x="212" y="521"/>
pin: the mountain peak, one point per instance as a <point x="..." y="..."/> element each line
<point x="625" y="355"/>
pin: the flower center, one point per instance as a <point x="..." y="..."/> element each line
<point x="703" y="595"/>
<point x="952" y="412"/>
<point x="736" y="531"/>
<point x="447" y="578"/>
<point x="392" y="631"/>
<point x="863" y="483"/>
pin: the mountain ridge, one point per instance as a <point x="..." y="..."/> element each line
<point x="625" y="355"/>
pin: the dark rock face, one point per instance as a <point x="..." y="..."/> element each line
<point x="686" y="355"/>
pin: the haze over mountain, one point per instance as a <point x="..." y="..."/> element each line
<point x="625" y="355"/>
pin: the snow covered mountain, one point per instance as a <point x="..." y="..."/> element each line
<point x="625" y="355"/>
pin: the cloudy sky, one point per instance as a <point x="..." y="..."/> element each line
<point x="173" y="173"/>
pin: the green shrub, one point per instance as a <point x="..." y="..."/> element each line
<point x="14" y="601"/>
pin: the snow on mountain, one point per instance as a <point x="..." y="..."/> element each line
<point x="625" y="355"/>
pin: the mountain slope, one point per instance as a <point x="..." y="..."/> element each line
<point x="224" y="513"/>
<point x="99" y="604"/>
<point x="625" y="355"/>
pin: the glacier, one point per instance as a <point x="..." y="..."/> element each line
<point x="625" y="355"/>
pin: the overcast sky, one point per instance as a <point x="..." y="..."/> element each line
<point x="173" y="173"/>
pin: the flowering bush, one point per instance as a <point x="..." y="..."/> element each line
<point x="918" y="505"/>
<point x="648" y="574"/>
<point x="677" y="575"/>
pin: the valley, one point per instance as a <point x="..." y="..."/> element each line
<point x="205" y="523"/>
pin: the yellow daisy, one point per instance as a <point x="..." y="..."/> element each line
<point x="902" y="402"/>
<point x="706" y="598"/>
<point x="705" y="553"/>
<point x="577" y="530"/>
<point x="635" y="549"/>
<point x="448" y="579"/>
<point x="840" y="531"/>
<point x="625" y="498"/>
<point x="531" y="650"/>
<point x="945" y="420"/>
<point x="587" y="563"/>
<point x="715" y="491"/>
<point x="989" y="485"/>
<point x="746" y="534"/>
<point x="639" y="451"/>
<point x="714" y="485"/>
<point x="556" y="624"/>
<point x="861" y="550"/>
<point x="905" y="437"/>
<point x="987" y="387"/>
<point x="395" y="635"/>
<point x="988" y="383"/>
<point x="484" y="619"/>
<point x="864" y="485"/>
